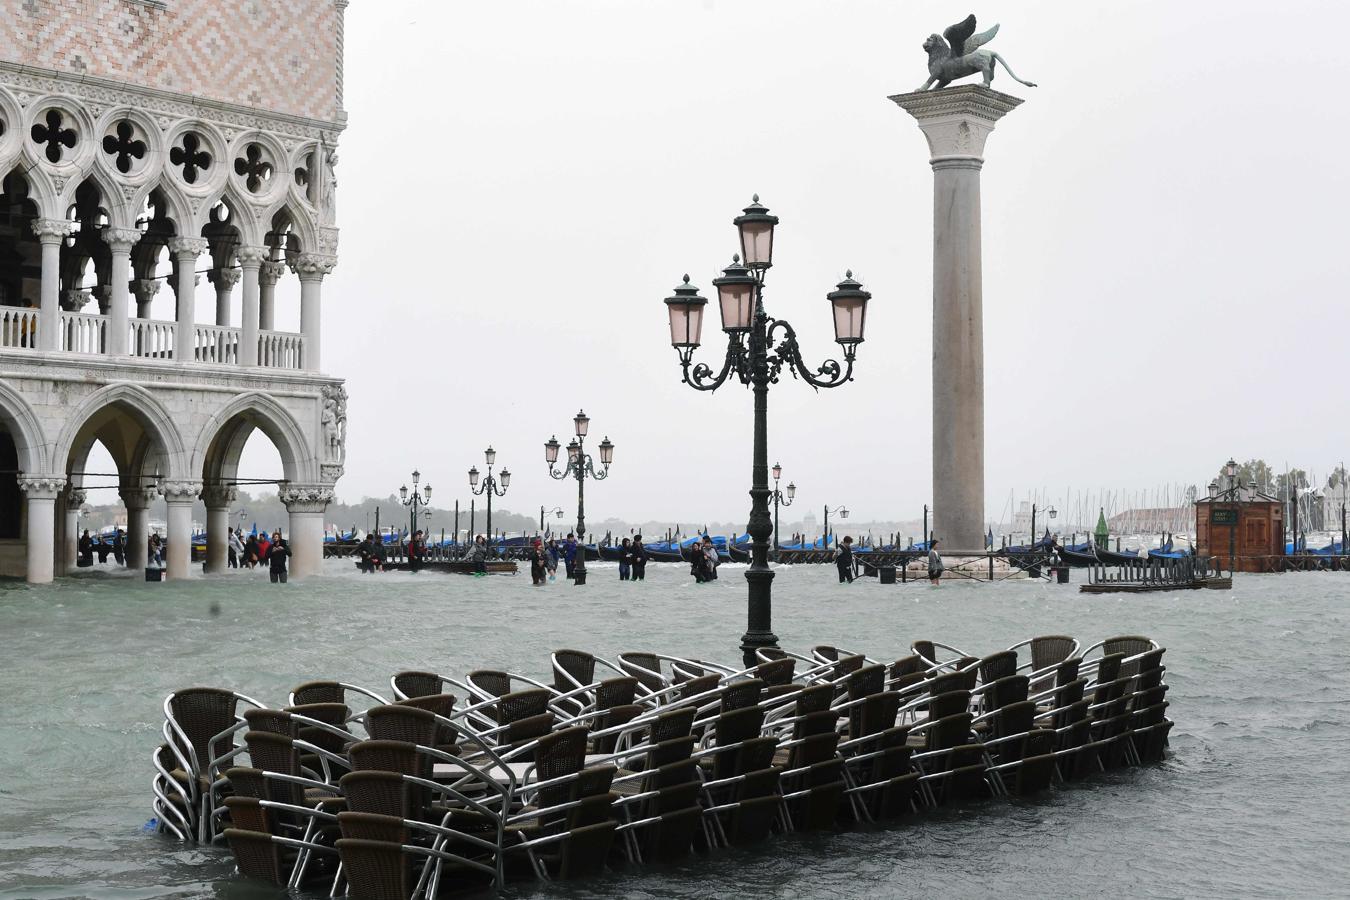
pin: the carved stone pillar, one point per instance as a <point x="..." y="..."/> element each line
<point x="312" y="267"/>
<point x="51" y="233"/>
<point x="224" y="280"/>
<point x="179" y="495"/>
<point x="268" y="275"/>
<point x="185" y="252"/>
<point x="251" y="259"/>
<point x="41" y="492"/>
<point x="218" y="498"/>
<point x="957" y="121"/>
<point x="306" y="504"/>
<point x="70" y="532"/>
<point x="138" y="502"/>
<point x="146" y="289"/>
<point x="120" y="241"/>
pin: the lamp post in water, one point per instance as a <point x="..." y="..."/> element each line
<point x="780" y="498"/>
<point x="579" y="466"/>
<point x="557" y="511"/>
<point x="842" y="512"/>
<point x="491" y="485"/>
<point x="759" y="348"/>
<point x="418" y="498"/>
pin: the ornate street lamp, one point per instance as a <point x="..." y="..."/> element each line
<point x="556" y="511"/>
<point x="759" y="348"/>
<point x="780" y="498"/>
<point x="491" y="485"/>
<point x="579" y="466"/>
<point x="418" y="498"/>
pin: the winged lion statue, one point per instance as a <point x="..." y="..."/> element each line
<point x="960" y="55"/>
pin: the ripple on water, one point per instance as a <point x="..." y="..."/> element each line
<point x="1252" y="803"/>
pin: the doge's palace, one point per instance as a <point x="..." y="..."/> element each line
<point x="145" y="144"/>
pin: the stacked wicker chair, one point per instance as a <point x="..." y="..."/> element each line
<point x="645" y="759"/>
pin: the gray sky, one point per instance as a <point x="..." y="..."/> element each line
<point x="522" y="183"/>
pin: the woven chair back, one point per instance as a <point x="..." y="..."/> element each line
<point x="740" y="694"/>
<point x="998" y="665"/>
<point x="203" y="713"/>
<point x="578" y="664"/>
<point x="1050" y="649"/>
<point x="418" y="684"/>
<point x="318" y="692"/>
<point x="615" y="692"/>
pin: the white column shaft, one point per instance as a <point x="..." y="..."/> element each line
<point x="185" y="336"/>
<point x="70" y="540"/>
<point x="217" y="538"/>
<point x="306" y="540"/>
<point x="119" y="308"/>
<point x="311" y="289"/>
<point x="223" y="305"/>
<point x="138" y="537"/>
<point x="41" y="539"/>
<point x="178" y="556"/>
<point x="250" y="264"/>
<point x="49" y="328"/>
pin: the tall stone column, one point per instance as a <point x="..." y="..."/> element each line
<point x="957" y="121"/>
<point x="179" y="495"/>
<point x="120" y="241"/>
<point x="41" y="492"/>
<point x="268" y="275"/>
<point x="224" y="281"/>
<point x="251" y="259"/>
<point x="218" y="498"/>
<point x="137" y="502"/>
<point x="70" y="533"/>
<point x="312" y="267"/>
<point x="306" y="504"/>
<point x="50" y="233"/>
<point x="185" y="252"/>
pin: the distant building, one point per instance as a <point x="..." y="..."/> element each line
<point x="1150" y="520"/>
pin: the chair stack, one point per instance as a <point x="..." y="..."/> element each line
<point x="646" y="759"/>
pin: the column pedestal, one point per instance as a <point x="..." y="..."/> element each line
<point x="306" y="504"/>
<point x="218" y="500"/>
<point x="138" y="503"/>
<point x="956" y="122"/>
<point x="180" y="496"/>
<point x="41" y="492"/>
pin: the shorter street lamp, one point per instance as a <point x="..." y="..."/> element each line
<point x="491" y="485"/>
<point x="842" y="512"/>
<point x="419" y="498"/>
<point x="579" y="466"/>
<point x="780" y="498"/>
<point x="555" y="511"/>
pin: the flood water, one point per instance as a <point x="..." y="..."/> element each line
<point x="1252" y="802"/>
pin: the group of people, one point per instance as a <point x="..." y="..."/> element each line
<point x="86" y="549"/>
<point x="259" y="550"/>
<point x="703" y="560"/>
<point x="370" y="553"/>
<point x="545" y="556"/>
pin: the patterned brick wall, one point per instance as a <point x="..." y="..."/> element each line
<point x="277" y="55"/>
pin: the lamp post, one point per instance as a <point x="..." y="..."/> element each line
<point x="492" y="484"/>
<point x="557" y="511"/>
<point x="780" y="498"/>
<point x="759" y="348"/>
<point x="843" y="514"/>
<point x="579" y="466"/>
<point x="418" y="498"/>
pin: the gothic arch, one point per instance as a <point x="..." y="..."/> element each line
<point x="216" y="456"/>
<point x="161" y="440"/>
<point x="25" y="429"/>
<point x="302" y="224"/>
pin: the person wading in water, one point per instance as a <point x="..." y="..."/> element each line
<point x="935" y="565"/>
<point x="844" y="560"/>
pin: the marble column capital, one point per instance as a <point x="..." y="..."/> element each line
<point x="74" y="299"/>
<point x="177" y="492"/>
<point x="306" y="497"/>
<point x="313" y="266"/>
<point x="121" y="240"/>
<point x="146" y="288"/>
<point x="53" y="231"/>
<point x="42" y="487"/>
<point x="75" y="498"/>
<point x="138" y="498"/>
<point x="219" y="496"/>
<point x="957" y="121"/>
<point x="253" y="257"/>
<point x="188" y="248"/>
<point x="271" y="271"/>
<point x="224" y="279"/>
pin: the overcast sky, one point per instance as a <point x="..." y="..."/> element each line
<point x="522" y="183"/>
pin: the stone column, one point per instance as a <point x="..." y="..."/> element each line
<point x="268" y="275"/>
<point x="957" y="121"/>
<point x="251" y="259"/>
<point x="224" y="280"/>
<point x="180" y="496"/>
<point x="185" y="252"/>
<point x="306" y="504"/>
<point x="50" y="233"/>
<point x="138" y="502"/>
<point x="311" y="267"/>
<point x="146" y="289"/>
<point x="70" y="535"/>
<point x="40" y="524"/>
<point x="218" y="499"/>
<point x="120" y="241"/>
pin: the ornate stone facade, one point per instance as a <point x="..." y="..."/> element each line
<point x="143" y="143"/>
